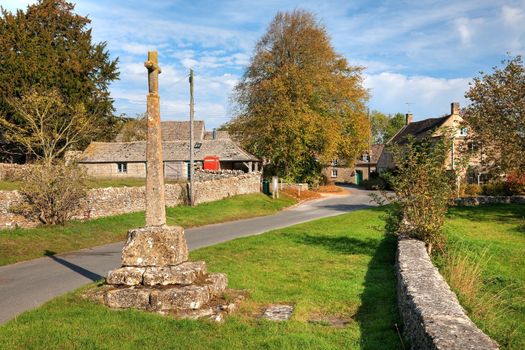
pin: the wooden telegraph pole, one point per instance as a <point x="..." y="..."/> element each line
<point x="192" y="197"/>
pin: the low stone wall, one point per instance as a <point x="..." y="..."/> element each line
<point x="432" y="315"/>
<point x="474" y="201"/>
<point x="12" y="172"/>
<point x="101" y="202"/>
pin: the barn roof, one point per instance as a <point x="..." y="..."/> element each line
<point x="104" y="152"/>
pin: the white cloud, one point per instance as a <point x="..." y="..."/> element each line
<point x="429" y="97"/>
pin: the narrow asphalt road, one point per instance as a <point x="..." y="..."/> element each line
<point x="27" y="285"/>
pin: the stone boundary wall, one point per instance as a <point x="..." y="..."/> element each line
<point x="12" y="171"/>
<point x="101" y="202"/>
<point x="475" y="201"/>
<point x="431" y="313"/>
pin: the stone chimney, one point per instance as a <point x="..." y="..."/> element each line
<point x="408" y="118"/>
<point x="454" y="108"/>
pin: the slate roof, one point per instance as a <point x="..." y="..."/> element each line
<point x="177" y="130"/>
<point x="112" y="152"/>
<point x="418" y="129"/>
<point x="376" y="151"/>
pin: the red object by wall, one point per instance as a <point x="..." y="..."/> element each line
<point x="212" y="163"/>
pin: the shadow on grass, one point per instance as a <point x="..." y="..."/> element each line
<point x="378" y="314"/>
<point x="490" y="212"/>
<point x="341" y="244"/>
<point x="78" y="269"/>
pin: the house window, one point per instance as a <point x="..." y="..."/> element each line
<point x="365" y="158"/>
<point x="334" y="162"/>
<point x="463" y="132"/>
<point x="334" y="172"/>
<point x="122" y="167"/>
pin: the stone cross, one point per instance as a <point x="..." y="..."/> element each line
<point x="155" y="201"/>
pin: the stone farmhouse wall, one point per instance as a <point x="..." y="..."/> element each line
<point x="12" y="172"/>
<point x="432" y="316"/>
<point x="101" y="202"/>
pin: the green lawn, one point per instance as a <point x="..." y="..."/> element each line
<point x="9" y="185"/>
<point x="335" y="268"/>
<point x="494" y="237"/>
<point x="24" y="244"/>
<point x="92" y="183"/>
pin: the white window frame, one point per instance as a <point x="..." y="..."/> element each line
<point x="334" y="172"/>
<point x="463" y="131"/>
<point x="122" y="168"/>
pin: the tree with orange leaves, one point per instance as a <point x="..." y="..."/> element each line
<point x="300" y="104"/>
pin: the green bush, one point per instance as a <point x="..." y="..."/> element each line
<point x="472" y="190"/>
<point x="495" y="188"/>
<point x="423" y="188"/>
<point x="374" y="183"/>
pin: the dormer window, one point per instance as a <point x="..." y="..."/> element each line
<point x="365" y="158"/>
<point x="463" y="132"/>
<point x="335" y="162"/>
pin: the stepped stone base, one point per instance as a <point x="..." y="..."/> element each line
<point x="156" y="276"/>
<point x="155" y="246"/>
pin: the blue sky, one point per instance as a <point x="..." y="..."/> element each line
<point x="422" y="52"/>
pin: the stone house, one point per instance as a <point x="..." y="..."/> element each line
<point x="435" y="128"/>
<point x="128" y="159"/>
<point x="363" y="167"/>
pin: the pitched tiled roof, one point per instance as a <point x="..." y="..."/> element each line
<point x="418" y="129"/>
<point x="177" y="130"/>
<point x="375" y="153"/>
<point x="220" y="134"/>
<point x="103" y="152"/>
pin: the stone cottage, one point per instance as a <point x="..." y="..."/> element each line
<point x="128" y="159"/>
<point x="338" y="171"/>
<point x="435" y="128"/>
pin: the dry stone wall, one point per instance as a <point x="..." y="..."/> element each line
<point x="432" y="316"/>
<point x="474" y="201"/>
<point x="101" y="202"/>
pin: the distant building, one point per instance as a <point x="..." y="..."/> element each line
<point x="128" y="159"/>
<point x="436" y="128"/>
<point x="338" y="171"/>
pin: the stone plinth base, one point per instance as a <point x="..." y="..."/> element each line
<point x="155" y="246"/>
<point x="156" y="276"/>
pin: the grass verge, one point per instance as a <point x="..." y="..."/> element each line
<point x="335" y="268"/>
<point x="91" y="183"/>
<point x="23" y="244"/>
<point x="485" y="266"/>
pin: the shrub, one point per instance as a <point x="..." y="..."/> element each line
<point x="51" y="192"/>
<point x="374" y="183"/>
<point x="423" y="188"/>
<point x="495" y="188"/>
<point x="472" y="190"/>
<point x="515" y="183"/>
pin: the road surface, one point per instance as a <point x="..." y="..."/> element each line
<point x="27" y="285"/>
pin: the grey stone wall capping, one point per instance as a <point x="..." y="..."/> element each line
<point x="431" y="313"/>
<point x="474" y="201"/>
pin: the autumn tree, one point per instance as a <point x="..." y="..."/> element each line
<point x="300" y="104"/>
<point x="496" y="116"/>
<point x="48" y="47"/>
<point x="385" y="126"/>
<point x="134" y="129"/>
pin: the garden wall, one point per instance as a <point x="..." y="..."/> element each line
<point x="474" y="201"/>
<point x="111" y="201"/>
<point x="432" y="315"/>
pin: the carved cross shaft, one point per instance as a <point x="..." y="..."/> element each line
<point x="152" y="64"/>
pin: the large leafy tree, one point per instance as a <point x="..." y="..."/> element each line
<point x="496" y="116"/>
<point x="385" y="126"/>
<point x="49" y="47"/>
<point x="300" y="104"/>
